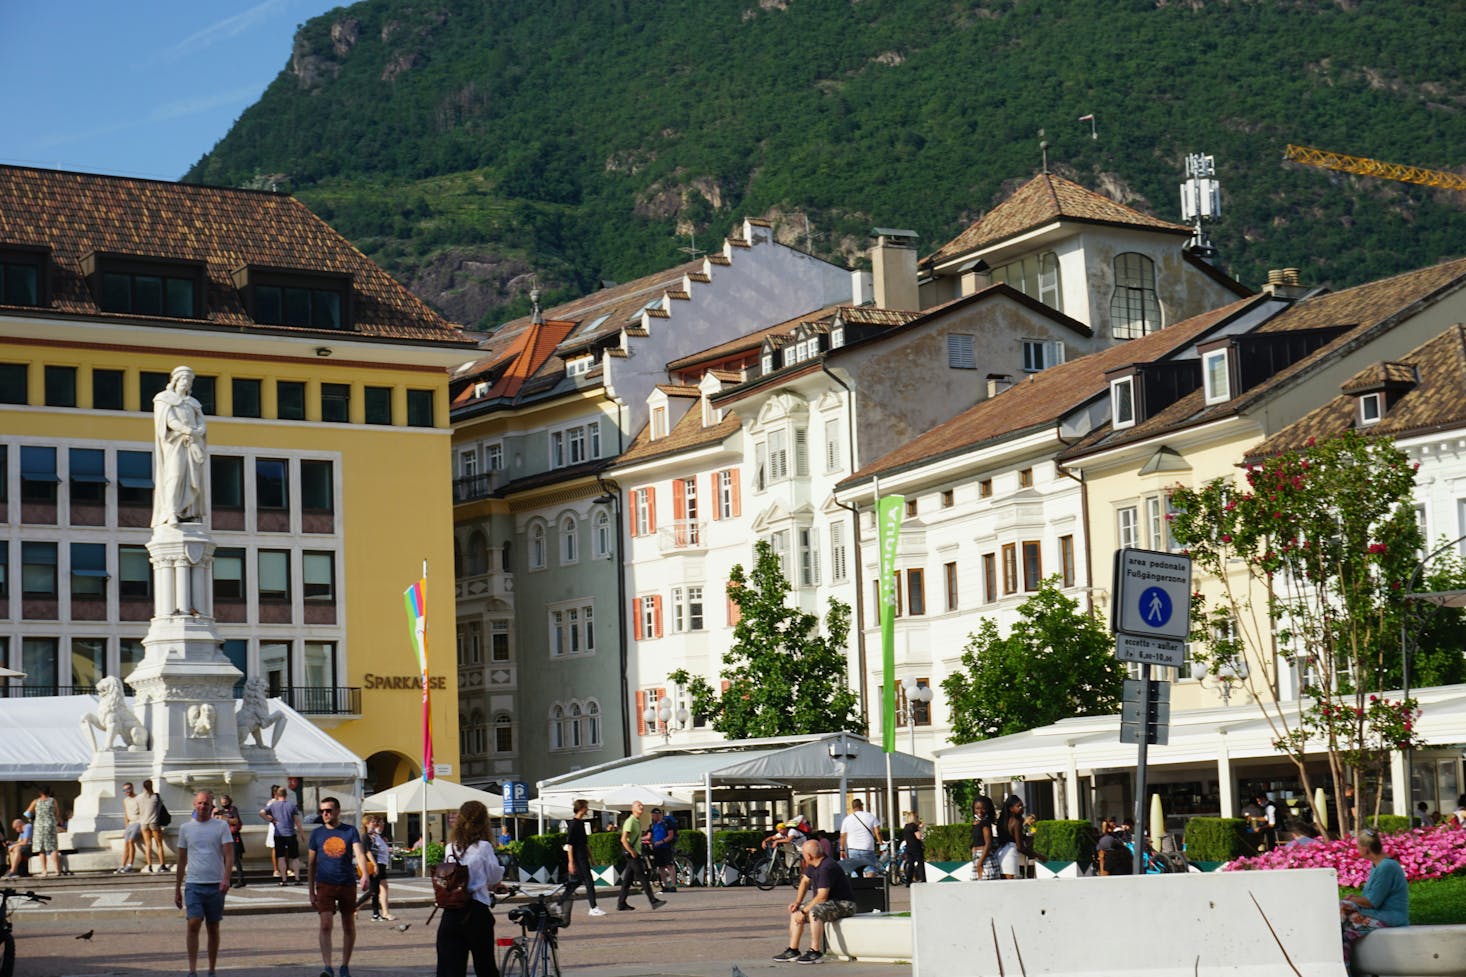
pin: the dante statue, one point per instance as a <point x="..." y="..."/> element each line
<point x="179" y="452"/>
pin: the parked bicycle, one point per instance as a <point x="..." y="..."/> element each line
<point x="535" y="952"/>
<point x="745" y="863"/>
<point x="7" y="936"/>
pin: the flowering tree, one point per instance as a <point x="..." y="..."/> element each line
<point x="1311" y="555"/>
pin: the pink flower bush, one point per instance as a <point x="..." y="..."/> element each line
<point x="1424" y="853"/>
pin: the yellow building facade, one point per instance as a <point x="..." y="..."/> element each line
<point x="328" y="440"/>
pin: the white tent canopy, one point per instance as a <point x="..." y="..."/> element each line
<point x="44" y="741"/>
<point x="440" y="796"/>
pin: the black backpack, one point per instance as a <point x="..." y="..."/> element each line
<point x="164" y="818"/>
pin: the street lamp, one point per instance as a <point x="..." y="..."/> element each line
<point x="662" y="712"/>
<point x="915" y="695"/>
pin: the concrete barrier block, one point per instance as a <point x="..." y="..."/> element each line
<point x="1241" y="924"/>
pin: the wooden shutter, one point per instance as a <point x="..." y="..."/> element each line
<point x="657" y="616"/>
<point x="640" y="713"/>
<point x="636" y="620"/>
<point x="737" y="502"/>
<point x="717" y="496"/>
<point x="651" y="511"/>
<point x="679" y="499"/>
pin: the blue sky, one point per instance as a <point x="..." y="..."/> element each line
<point x="135" y="87"/>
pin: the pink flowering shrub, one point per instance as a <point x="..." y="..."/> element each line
<point x="1424" y="853"/>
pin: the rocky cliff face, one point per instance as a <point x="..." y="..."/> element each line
<point x="467" y="286"/>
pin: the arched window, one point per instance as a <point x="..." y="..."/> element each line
<point x="592" y="723"/>
<point x="1135" y="310"/>
<point x="569" y="540"/>
<point x="537" y="546"/>
<point x="557" y="727"/>
<point x="601" y="534"/>
<point x="503" y="733"/>
<point x="577" y="732"/>
<point x="477" y="559"/>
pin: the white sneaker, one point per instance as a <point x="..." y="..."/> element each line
<point x="596" y="911"/>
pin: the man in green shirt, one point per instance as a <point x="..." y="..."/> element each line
<point x="634" y="870"/>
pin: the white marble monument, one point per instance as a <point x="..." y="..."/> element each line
<point x="183" y="731"/>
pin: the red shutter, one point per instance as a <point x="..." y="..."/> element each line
<point x="725" y="686"/>
<point x="679" y="499"/>
<point x="636" y="619"/>
<point x="651" y="511"/>
<point x="737" y="501"/>
<point x="717" y="499"/>
<point x="660" y="727"/>
<point x="735" y="614"/>
<point x="640" y="713"/>
<point x="657" y="616"/>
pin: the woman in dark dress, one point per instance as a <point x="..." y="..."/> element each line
<point x="913" y="843"/>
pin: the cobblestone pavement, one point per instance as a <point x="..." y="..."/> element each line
<point x="270" y="931"/>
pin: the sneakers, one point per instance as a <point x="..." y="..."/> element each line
<point x="327" y="973"/>
<point x="345" y="971"/>
<point x="596" y="911"/>
<point x="658" y="903"/>
<point x="789" y="954"/>
<point x="283" y="883"/>
<point x="809" y="956"/>
<point x="376" y="917"/>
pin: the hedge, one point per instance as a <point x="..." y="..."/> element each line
<point x="543" y="851"/>
<point x="692" y="843"/>
<point x="948" y="842"/>
<point x="1217" y="839"/>
<point x="722" y="840"/>
<point x="1064" y="841"/>
<point x="1391" y="824"/>
<point x="605" y="847"/>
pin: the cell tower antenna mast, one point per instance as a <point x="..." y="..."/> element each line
<point x="692" y="250"/>
<point x="1201" y="201"/>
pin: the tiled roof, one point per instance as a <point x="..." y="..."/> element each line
<point x="727" y="376"/>
<point x="687" y="434"/>
<point x="75" y="214"/>
<point x="1046" y="396"/>
<point x="1380" y="376"/>
<point x="1042" y="201"/>
<point x="512" y="362"/>
<point x="1434" y="401"/>
<point x="1364" y="310"/>
<point x="755" y="339"/>
<point x="679" y="390"/>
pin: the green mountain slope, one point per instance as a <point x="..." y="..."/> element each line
<point x="469" y="144"/>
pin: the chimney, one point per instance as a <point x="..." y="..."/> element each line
<point x="893" y="267"/>
<point x="861" y="290"/>
<point x="1284" y="283"/>
<point x="998" y="382"/>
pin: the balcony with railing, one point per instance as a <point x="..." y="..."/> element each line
<point x="471" y="488"/>
<point x="681" y="535"/>
<point x="22" y="690"/>
<point x="342" y="702"/>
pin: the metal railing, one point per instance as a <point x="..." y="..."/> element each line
<point x="26" y="690"/>
<point x="683" y="534"/>
<point x="322" y="700"/>
<point x="472" y="487"/>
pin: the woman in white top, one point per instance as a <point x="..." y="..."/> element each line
<point x="470" y="930"/>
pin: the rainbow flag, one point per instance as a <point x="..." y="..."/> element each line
<point x="416" y="598"/>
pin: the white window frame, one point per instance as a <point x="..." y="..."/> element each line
<point x="1122" y="393"/>
<point x="578" y="366"/>
<point x="571" y="628"/>
<point x="574" y="444"/>
<point x="834" y="445"/>
<point x="1155" y="522"/>
<point x="468" y="460"/>
<point x="688" y="612"/>
<point x="648" y="617"/>
<point x="839" y="555"/>
<point x="641" y="511"/>
<point x="725" y="493"/>
<point x="809" y="556"/>
<point x="494" y="457"/>
<point x="538" y="555"/>
<point x="601" y="535"/>
<point x="778" y="454"/>
<point x="1218" y="382"/>
<point x="569" y="540"/>
<point x="1127" y="526"/>
<point x="659" y="422"/>
<point x="1371" y="408"/>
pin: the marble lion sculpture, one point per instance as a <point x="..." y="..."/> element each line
<point x="254" y="716"/>
<point x="114" y="719"/>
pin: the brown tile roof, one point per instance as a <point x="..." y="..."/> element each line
<point x="1041" y="201"/>
<point x="1366" y="310"/>
<point x="687" y="434"/>
<point x="753" y="340"/>
<point x="1380" y="376"/>
<point x="1436" y="401"/>
<point x="513" y="362"/>
<point x="75" y="214"/>
<point x="727" y="376"/>
<point x="679" y="390"/>
<point x="1045" y="396"/>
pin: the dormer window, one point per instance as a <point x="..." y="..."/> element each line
<point x="837" y="335"/>
<point x="579" y="366"/>
<point x="1216" y="376"/>
<point x="480" y="389"/>
<point x="23" y="277"/>
<point x="146" y="286"/>
<point x="305" y="299"/>
<point x="1122" y="402"/>
<point x="1371" y="408"/>
<point x="659" y="423"/>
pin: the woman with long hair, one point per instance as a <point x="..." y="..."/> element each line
<point x="577" y="855"/>
<point x="1012" y="843"/>
<point x="470" y="930"/>
<point x="984" y="844"/>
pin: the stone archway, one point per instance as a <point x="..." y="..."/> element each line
<point x="388" y="768"/>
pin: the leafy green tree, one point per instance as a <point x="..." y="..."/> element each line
<point x="1055" y="663"/>
<point x="1311" y="556"/>
<point x="784" y="678"/>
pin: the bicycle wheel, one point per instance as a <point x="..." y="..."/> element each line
<point x="7" y="956"/>
<point x="686" y="876"/>
<point x="765" y="874"/>
<point x="516" y="962"/>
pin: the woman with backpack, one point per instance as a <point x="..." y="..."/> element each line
<point x="469" y="928"/>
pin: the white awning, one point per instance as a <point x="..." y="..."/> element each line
<point x="44" y="741"/>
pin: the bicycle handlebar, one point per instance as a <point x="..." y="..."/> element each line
<point x="27" y="894"/>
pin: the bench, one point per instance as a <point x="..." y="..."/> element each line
<point x="871" y="937"/>
<point x="1412" y="951"/>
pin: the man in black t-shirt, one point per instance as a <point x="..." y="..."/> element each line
<point x="833" y="899"/>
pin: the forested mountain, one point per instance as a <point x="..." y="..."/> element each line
<point x="467" y="144"/>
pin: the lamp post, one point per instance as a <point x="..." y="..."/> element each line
<point x="915" y="695"/>
<point x="662" y="712"/>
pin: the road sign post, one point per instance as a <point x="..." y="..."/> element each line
<point x="1151" y="619"/>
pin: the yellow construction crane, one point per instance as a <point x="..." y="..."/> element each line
<point x="1373" y="167"/>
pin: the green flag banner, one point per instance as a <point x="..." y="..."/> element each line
<point x="888" y="531"/>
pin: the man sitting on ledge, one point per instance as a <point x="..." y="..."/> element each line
<point x="833" y="899"/>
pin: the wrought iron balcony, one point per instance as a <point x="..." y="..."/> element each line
<point x="683" y="534"/>
<point x="25" y="690"/>
<point x="473" y="487"/>
<point x="322" y="700"/>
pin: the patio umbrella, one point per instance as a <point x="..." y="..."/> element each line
<point x="1157" y="821"/>
<point x="441" y="796"/>
<point x="11" y="673"/>
<point x="621" y="798"/>
<point x="1321" y="807"/>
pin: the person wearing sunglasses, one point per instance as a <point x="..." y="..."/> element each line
<point x="336" y="866"/>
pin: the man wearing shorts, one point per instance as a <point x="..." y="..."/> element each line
<point x="132" y="832"/>
<point x="284" y="815"/>
<point x="833" y="899"/>
<point x="334" y="860"/>
<point x="201" y="876"/>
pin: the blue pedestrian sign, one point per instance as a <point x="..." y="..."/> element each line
<point x="1152" y="594"/>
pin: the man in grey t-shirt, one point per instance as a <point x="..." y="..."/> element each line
<point x="201" y="877"/>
